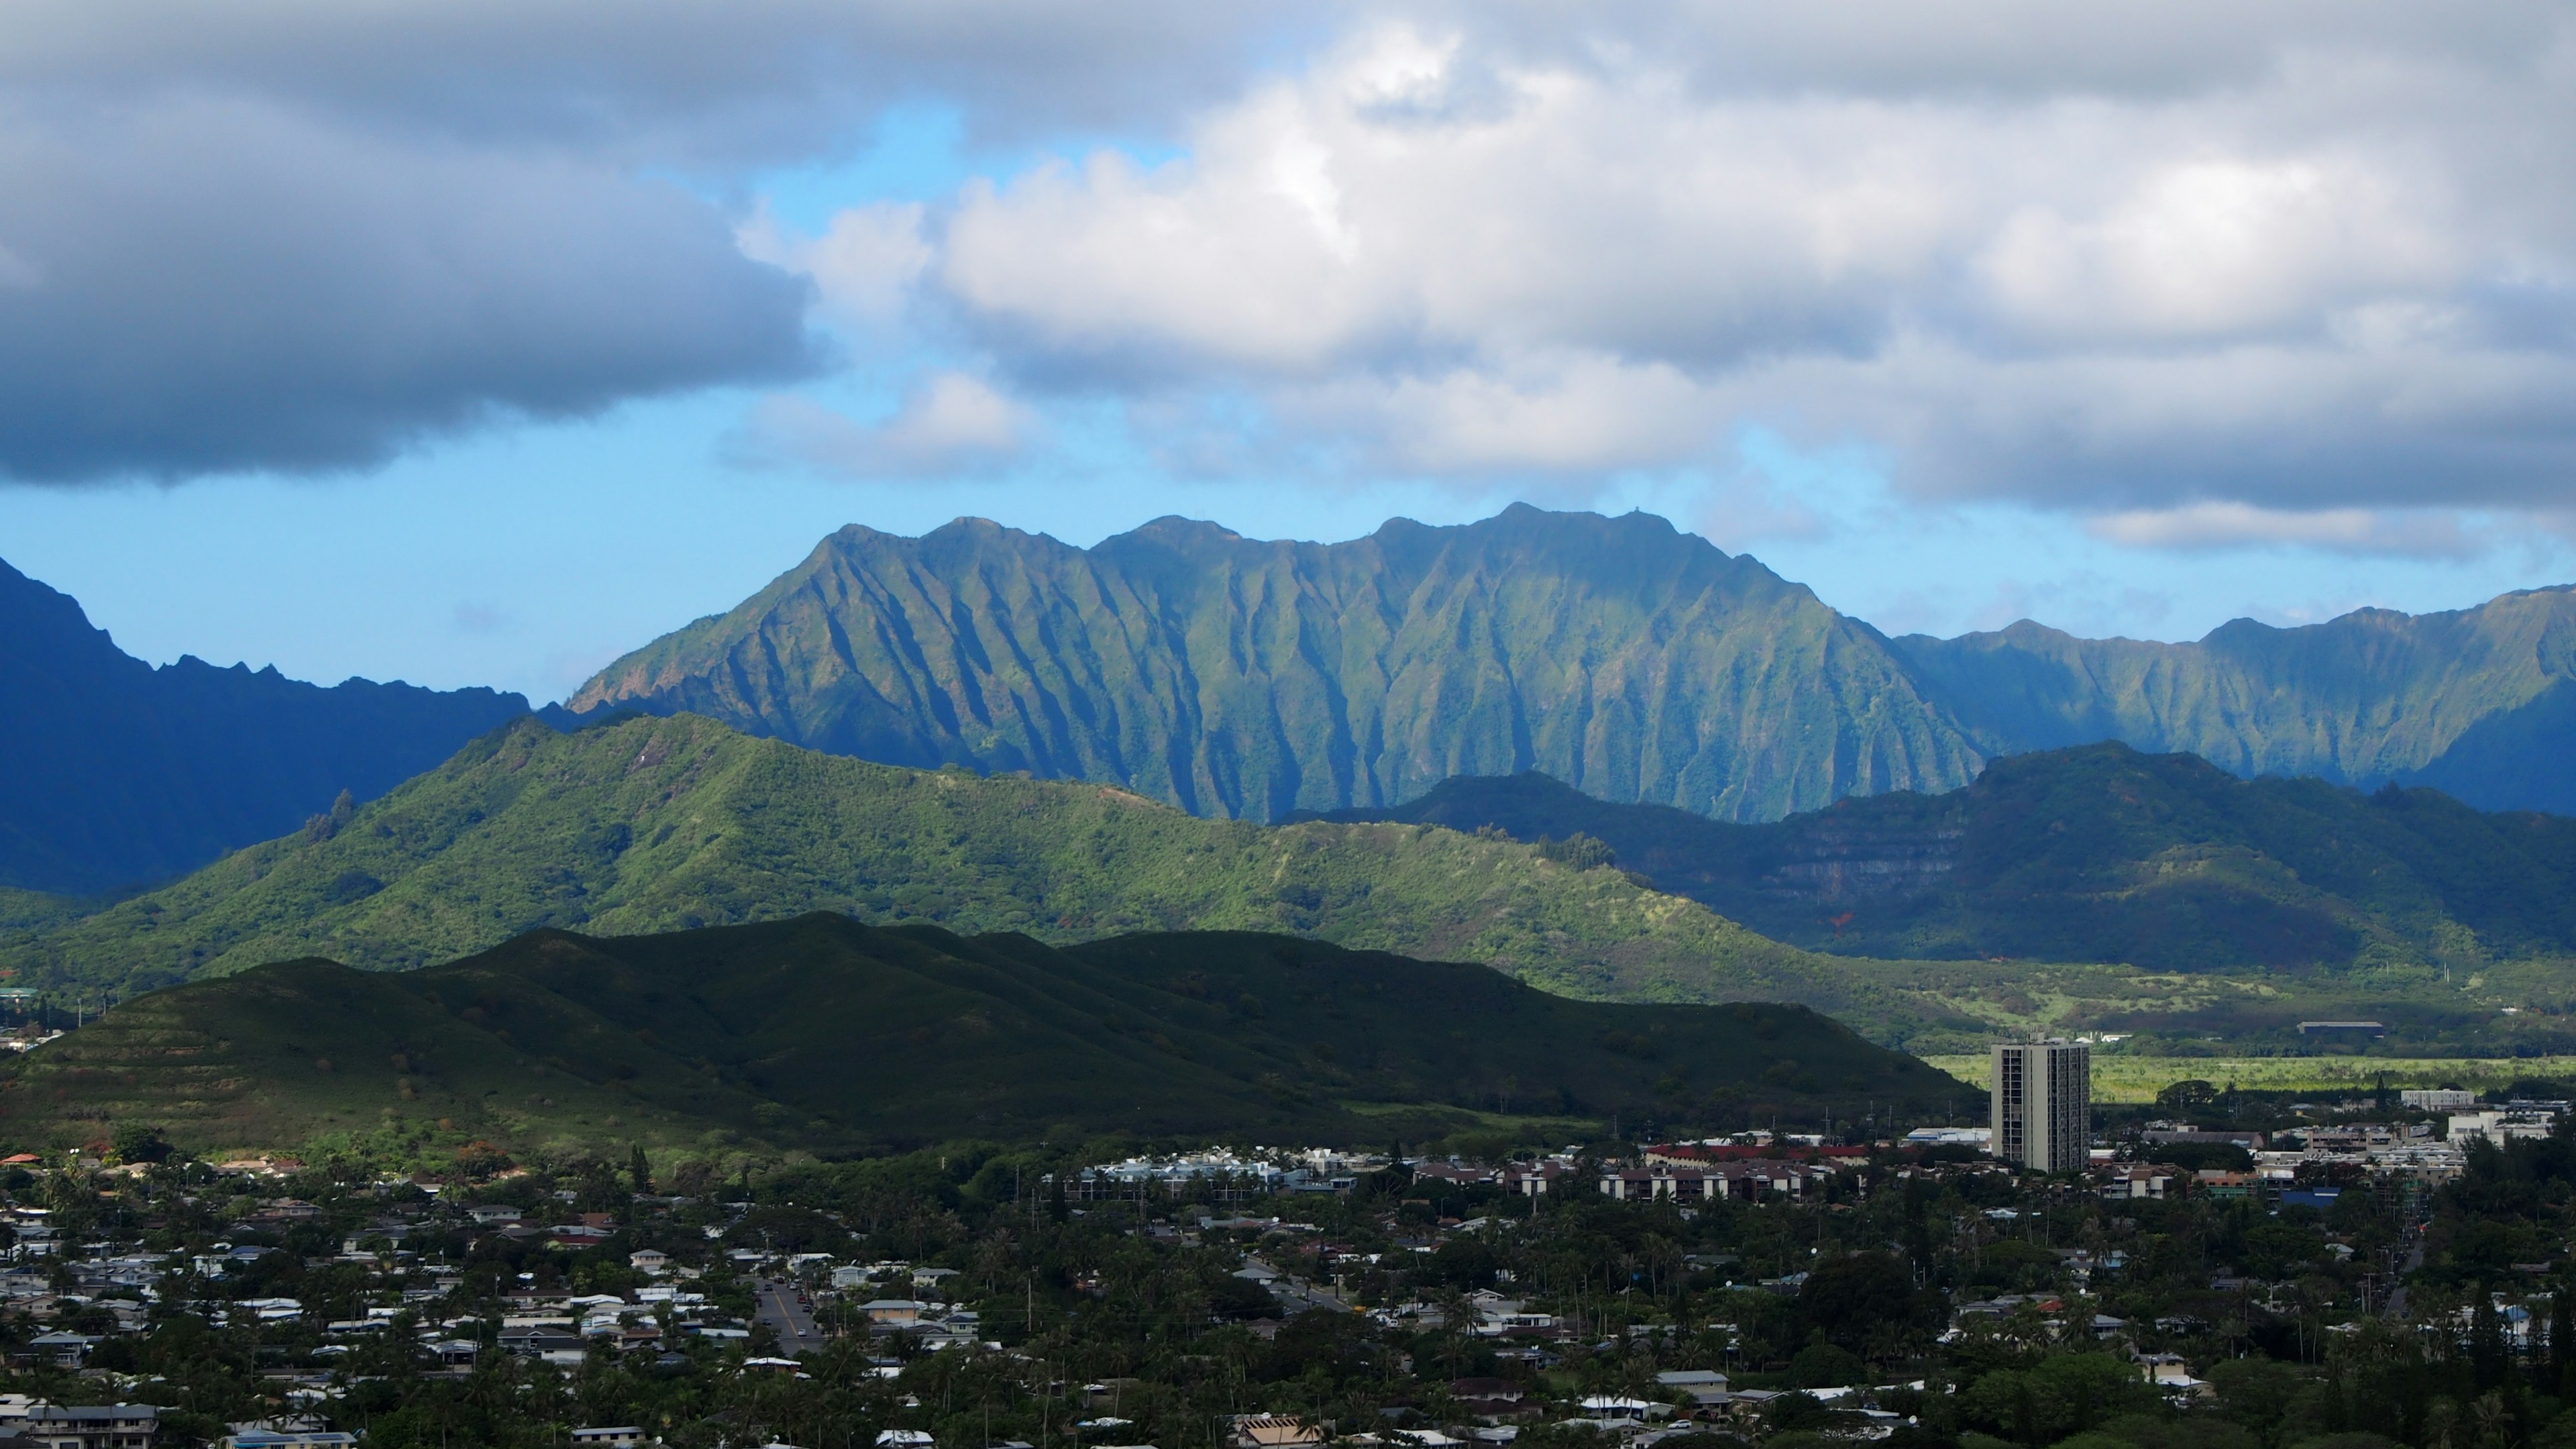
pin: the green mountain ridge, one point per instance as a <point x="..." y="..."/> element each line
<point x="1249" y="679"/>
<point x="819" y="1033"/>
<point x="2097" y="853"/>
<point x="654" y="824"/>
<point x="2479" y="703"/>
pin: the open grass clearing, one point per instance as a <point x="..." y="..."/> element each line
<point x="2126" y="1079"/>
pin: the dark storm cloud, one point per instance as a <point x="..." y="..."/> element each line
<point x="200" y="286"/>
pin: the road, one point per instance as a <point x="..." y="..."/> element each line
<point x="1297" y="1295"/>
<point x="2414" y="1260"/>
<point x="792" y="1321"/>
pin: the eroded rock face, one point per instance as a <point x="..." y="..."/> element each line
<point x="1240" y="678"/>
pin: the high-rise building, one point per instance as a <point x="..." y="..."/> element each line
<point x="2043" y="1104"/>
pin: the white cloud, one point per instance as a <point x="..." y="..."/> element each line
<point x="865" y="264"/>
<point x="948" y="425"/>
<point x="1463" y="250"/>
<point x="2311" y="255"/>
<point x="2238" y="525"/>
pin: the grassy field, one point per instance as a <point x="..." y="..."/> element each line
<point x="2118" y="1078"/>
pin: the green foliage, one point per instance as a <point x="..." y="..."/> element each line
<point x="1247" y="679"/>
<point x="664" y="824"/>
<point x="1855" y="1300"/>
<point x="2097" y="853"/>
<point x="824" y="1033"/>
<point x="2188" y="1093"/>
<point x="2059" y="1396"/>
<point x="2477" y="702"/>
<point x="1823" y="1366"/>
<point x="140" y="1142"/>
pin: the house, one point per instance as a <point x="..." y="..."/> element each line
<point x="623" y="1436"/>
<point x="649" y="1260"/>
<point x="1535" y="1179"/>
<point x="1490" y="1399"/>
<point x="91" y="1426"/>
<point x="1705" y="1386"/>
<point x="492" y="1215"/>
<point x="550" y="1344"/>
<point x="1734" y="1179"/>
<point x="355" y="1245"/>
<point x="2219" y="1182"/>
<point x="63" y="1348"/>
<point x="1269" y="1431"/>
<point x="255" y="1436"/>
<point x="1616" y="1409"/>
<point x="894" y="1312"/>
<point x="2123" y="1184"/>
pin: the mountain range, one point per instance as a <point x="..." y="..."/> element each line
<point x="642" y="824"/>
<point x="1246" y="679"/>
<point x="121" y="774"/>
<point x="2094" y="887"/>
<point x="1237" y="677"/>
<point x="2095" y="853"/>
<point x="824" y="1034"/>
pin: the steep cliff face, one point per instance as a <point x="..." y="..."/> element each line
<point x="120" y="773"/>
<point x="1243" y="678"/>
<point x="2480" y="703"/>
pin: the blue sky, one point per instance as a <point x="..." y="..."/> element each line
<point x="447" y="377"/>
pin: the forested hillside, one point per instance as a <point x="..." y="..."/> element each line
<point x="2098" y="853"/>
<point x="826" y="1034"/>
<point x="649" y="825"/>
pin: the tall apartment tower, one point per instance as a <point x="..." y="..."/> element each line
<point x="2043" y="1104"/>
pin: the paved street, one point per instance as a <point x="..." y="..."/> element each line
<point x="793" y="1321"/>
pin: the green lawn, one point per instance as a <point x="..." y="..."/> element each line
<point x="2118" y="1078"/>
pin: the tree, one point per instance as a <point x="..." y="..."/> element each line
<point x="641" y="1170"/>
<point x="2190" y="1093"/>
<point x="141" y="1142"/>
<point x="1847" y="1298"/>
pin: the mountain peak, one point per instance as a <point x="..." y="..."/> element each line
<point x="1237" y="677"/>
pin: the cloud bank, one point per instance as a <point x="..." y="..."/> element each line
<point x="2299" y="275"/>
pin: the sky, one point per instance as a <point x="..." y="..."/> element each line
<point x="477" y="343"/>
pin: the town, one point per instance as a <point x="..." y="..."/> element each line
<point x="2257" y="1273"/>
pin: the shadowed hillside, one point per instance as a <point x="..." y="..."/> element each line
<point x="649" y="825"/>
<point x="2094" y="854"/>
<point x="826" y="1034"/>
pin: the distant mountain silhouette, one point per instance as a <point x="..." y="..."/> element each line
<point x="119" y="773"/>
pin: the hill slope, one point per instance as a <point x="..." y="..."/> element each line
<point x="1247" y="679"/>
<point x="122" y="773"/>
<point x="648" y="824"/>
<point x="2480" y="703"/>
<point x="820" y="1032"/>
<point x="2097" y="853"/>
